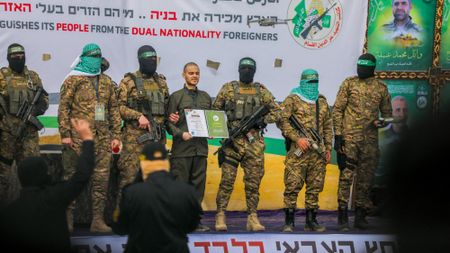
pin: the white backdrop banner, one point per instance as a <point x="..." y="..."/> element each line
<point x="283" y="36"/>
<point x="258" y="243"/>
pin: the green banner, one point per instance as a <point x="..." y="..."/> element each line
<point x="400" y="34"/>
<point x="411" y="100"/>
<point x="445" y="39"/>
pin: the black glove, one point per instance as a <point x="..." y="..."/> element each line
<point x="338" y="143"/>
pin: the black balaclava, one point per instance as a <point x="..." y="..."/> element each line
<point x="16" y="64"/>
<point x="32" y="172"/>
<point x="105" y="65"/>
<point x="247" y="69"/>
<point x="366" y="66"/>
<point x="147" y="60"/>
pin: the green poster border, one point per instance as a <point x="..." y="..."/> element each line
<point x="436" y="76"/>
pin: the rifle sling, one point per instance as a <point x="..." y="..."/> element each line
<point x="317" y="114"/>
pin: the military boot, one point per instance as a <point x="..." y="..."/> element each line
<point x="253" y="223"/>
<point x="69" y="216"/>
<point x="220" y="222"/>
<point x="343" y="219"/>
<point x="289" y="220"/>
<point x="311" y="223"/>
<point x="360" y="218"/>
<point x="98" y="225"/>
<point x="202" y="228"/>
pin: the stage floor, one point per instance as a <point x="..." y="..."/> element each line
<point x="274" y="221"/>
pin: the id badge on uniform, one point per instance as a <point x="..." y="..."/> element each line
<point x="100" y="112"/>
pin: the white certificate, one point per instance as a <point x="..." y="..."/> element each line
<point x="196" y="122"/>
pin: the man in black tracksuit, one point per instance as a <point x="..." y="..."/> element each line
<point x="36" y="221"/>
<point x="189" y="157"/>
<point x="159" y="212"/>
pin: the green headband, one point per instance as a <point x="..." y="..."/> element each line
<point x="95" y="52"/>
<point x="147" y="54"/>
<point x="247" y="62"/>
<point x="367" y="63"/>
<point x="15" y="50"/>
<point x="309" y="77"/>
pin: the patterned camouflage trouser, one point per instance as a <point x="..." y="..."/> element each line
<point x="100" y="176"/>
<point x="309" y="169"/>
<point x="362" y="160"/>
<point x="191" y="170"/>
<point x="251" y="158"/>
<point x="13" y="150"/>
<point x="128" y="163"/>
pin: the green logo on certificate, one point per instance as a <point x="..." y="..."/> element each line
<point x="207" y="123"/>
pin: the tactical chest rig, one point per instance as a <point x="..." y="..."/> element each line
<point x="246" y="101"/>
<point x="150" y="101"/>
<point x="20" y="90"/>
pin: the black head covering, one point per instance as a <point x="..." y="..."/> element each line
<point x="147" y="60"/>
<point x="366" y="66"/>
<point x="247" y="69"/>
<point x="154" y="151"/>
<point x="16" y="64"/>
<point x="33" y="171"/>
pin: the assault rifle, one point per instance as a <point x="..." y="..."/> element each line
<point x="25" y="113"/>
<point x="154" y="131"/>
<point x="244" y="127"/>
<point x="311" y="134"/>
<point x="316" y="22"/>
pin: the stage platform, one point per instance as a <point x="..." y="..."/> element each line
<point x="376" y="239"/>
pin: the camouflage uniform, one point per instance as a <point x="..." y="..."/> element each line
<point x="358" y="104"/>
<point x="14" y="89"/>
<point x="78" y="99"/>
<point x="130" y="112"/>
<point x="249" y="155"/>
<point x="310" y="167"/>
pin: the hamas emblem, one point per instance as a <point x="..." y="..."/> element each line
<point x="314" y="24"/>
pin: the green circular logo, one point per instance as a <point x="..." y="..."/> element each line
<point x="315" y="24"/>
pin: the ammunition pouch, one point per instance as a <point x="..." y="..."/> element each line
<point x="157" y="102"/>
<point x="229" y="109"/>
<point x="244" y="105"/>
